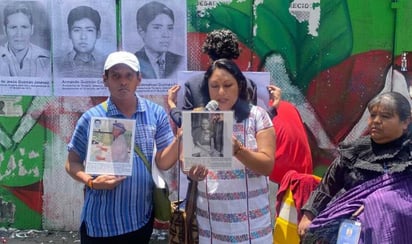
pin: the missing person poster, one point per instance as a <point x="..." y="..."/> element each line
<point x="207" y="139"/>
<point x="25" y="43"/>
<point x="156" y="33"/>
<point x="110" y="146"/>
<point x="83" y="36"/>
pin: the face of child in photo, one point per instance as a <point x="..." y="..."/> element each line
<point x="205" y="124"/>
<point x="18" y="31"/>
<point x="159" y="33"/>
<point x="84" y="35"/>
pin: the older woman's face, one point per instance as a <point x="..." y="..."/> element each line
<point x="18" y="31"/>
<point x="223" y="88"/>
<point x="385" y="125"/>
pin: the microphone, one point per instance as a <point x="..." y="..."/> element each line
<point x="212" y="105"/>
<point x="176" y="114"/>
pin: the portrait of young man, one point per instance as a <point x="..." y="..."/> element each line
<point x="83" y="28"/>
<point x="84" y="33"/>
<point x="160" y="52"/>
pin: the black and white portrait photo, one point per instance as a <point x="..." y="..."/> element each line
<point x="203" y="136"/>
<point x="207" y="134"/>
<point x="156" y="33"/>
<point x="25" y="39"/>
<point x="207" y="138"/>
<point x="84" y="34"/>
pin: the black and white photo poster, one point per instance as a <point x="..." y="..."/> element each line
<point x="155" y="30"/>
<point x="84" y="33"/>
<point x="25" y="57"/>
<point x="207" y="139"/>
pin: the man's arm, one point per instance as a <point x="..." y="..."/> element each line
<point x="167" y="157"/>
<point x="75" y="168"/>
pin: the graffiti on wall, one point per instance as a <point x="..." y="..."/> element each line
<point x="313" y="48"/>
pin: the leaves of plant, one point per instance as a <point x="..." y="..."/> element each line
<point x="269" y="28"/>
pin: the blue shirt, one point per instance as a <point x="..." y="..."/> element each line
<point x="128" y="207"/>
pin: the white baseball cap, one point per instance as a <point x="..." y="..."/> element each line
<point x="122" y="57"/>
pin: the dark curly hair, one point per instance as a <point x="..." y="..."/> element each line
<point x="221" y="43"/>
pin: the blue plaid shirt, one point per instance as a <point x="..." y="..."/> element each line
<point x="128" y="207"/>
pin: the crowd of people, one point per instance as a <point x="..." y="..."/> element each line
<point x="233" y="205"/>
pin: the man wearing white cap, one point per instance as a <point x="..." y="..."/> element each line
<point x="118" y="209"/>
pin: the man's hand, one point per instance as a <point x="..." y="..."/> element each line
<point x="172" y="96"/>
<point x="197" y="173"/>
<point x="275" y="95"/>
<point x="107" y="182"/>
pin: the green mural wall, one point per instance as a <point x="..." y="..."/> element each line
<point x="22" y="164"/>
<point x="329" y="57"/>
